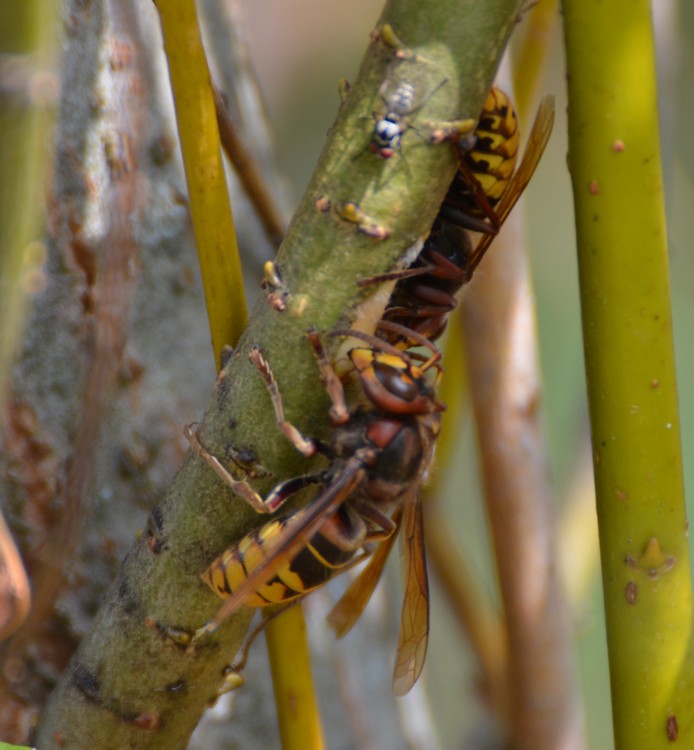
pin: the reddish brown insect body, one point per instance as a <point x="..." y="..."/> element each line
<point x="378" y="454"/>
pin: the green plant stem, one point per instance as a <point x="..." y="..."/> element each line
<point x="213" y="223"/>
<point x="630" y="367"/>
<point x="295" y="695"/>
<point x="158" y="601"/>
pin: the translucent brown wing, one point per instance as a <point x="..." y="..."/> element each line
<point x="414" y="622"/>
<point x="352" y="603"/>
<point x="537" y="141"/>
<point x="293" y="538"/>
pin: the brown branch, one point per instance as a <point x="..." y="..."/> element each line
<point x="249" y="173"/>
<point x="504" y="384"/>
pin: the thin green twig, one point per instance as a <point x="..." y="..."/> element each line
<point x="213" y="223"/>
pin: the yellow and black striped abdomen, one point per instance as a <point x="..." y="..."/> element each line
<point x="315" y="564"/>
<point x="493" y="158"/>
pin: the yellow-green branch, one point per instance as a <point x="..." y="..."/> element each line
<point x="213" y="224"/>
<point x="295" y="696"/>
<point x="627" y="327"/>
